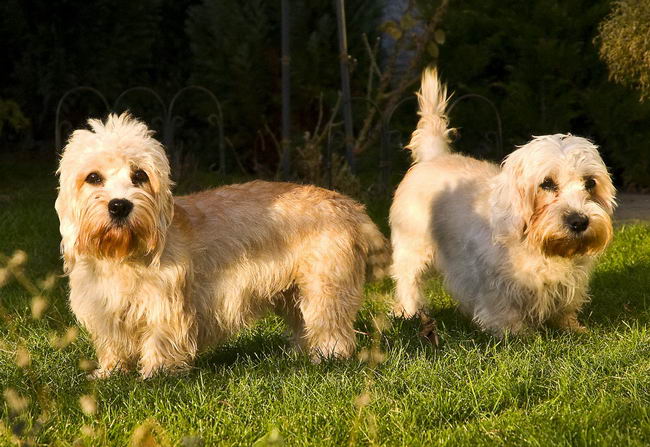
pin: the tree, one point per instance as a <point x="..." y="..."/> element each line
<point x="625" y="44"/>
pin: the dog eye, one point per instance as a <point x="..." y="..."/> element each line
<point x="139" y="177"/>
<point x="93" y="178"/>
<point x="548" y="184"/>
<point x="590" y="183"/>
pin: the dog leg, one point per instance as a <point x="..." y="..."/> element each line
<point x="166" y="349"/>
<point x="287" y="308"/>
<point x="408" y="269"/>
<point x="329" y="313"/>
<point x="112" y="358"/>
<point x="113" y="346"/>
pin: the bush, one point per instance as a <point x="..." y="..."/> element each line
<point x="538" y="63"/>
<point x="625" y="44"/>
<point x="11" y="117"/>
<point x="236" y="53"/>
<point x="107" y="44"/>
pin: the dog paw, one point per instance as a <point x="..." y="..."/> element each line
<point x="330" y="352"/>
<point x="576" y="328"/>
<point x="569" y="323"/>
<point x="104" y="373"/>
<point x="400" y="311"/>
<point x="429" y="329"/>
<point x="151" y="371"/>
<point x="99" y="374"/>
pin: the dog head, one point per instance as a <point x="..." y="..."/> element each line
<point x="114" y="197"/>
<point x="555" y="194"/>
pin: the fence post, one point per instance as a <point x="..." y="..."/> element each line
<point x="286" y="93"/>
<point x="345" y="85"/>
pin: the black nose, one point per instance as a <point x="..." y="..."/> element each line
<point x="577" y="222"/>
<point x="119" y="208"/>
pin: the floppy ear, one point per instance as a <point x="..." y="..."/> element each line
<point x="165" y="208"/>
<point x="511" y="199"/>
<point x="66" y="203"/>
<point x="164" y="202"/>
<point x="68" y="227"/>
<point x="605" y="193"/>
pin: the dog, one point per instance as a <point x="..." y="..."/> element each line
<point x="515" y="244"/>
<point x="156" y="279"/>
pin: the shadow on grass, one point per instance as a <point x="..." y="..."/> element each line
<point x="254" y="347"/>
<point x="609" y="309"/>
<point x="619" y="295"/>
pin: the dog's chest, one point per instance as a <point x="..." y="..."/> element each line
<point x="548" y="285"/>
<point x="125" y="294"/>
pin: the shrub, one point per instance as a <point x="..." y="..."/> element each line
<point x="538" y="63"/>
<point x="236" y="53"/>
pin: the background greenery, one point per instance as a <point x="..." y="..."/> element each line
<point x="537" y="62"/>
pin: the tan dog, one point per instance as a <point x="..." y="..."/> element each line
<point x="156" y="279"/>
<point x="515" y="244"/>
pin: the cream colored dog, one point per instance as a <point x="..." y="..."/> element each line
<point x="515" y="244"/>
<point x="155" y="279"/>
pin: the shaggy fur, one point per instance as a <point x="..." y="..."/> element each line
<point x="179" y="274"/>
<point x="504" y="238"/>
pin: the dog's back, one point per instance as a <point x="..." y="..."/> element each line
<point x="276" y="213"/>
<point x="436" y="171"/>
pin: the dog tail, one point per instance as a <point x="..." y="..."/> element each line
<point x="431" y="137"/>
<point x="379" y="258"/>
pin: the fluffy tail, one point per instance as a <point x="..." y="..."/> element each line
<point x="379" y="258"/>
<point x="431" y="138"/>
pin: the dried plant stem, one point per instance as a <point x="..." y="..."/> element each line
<point x="388" y="98"/>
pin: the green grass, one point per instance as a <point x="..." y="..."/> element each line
<point x="550" y="388"/>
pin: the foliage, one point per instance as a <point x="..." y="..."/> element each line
<point x="310" y="164"/>
<point x="107" y="44"/>
<point x="411" y="42"/>
<point x="236" y="53"/>
<point x="538" y="64"/>
<point x="625" y="44"/>
<point x="314" y="164"/>
<point x="11" y="116"/>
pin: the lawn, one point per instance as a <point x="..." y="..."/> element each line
<point x="550" y="388"/>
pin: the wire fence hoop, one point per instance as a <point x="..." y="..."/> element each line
<point x="58" y="144"/>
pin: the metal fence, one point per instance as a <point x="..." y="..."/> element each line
<point x="168" y="119"/>
<point x="389" y="139"/>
